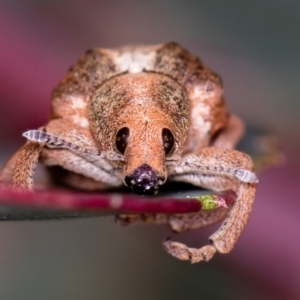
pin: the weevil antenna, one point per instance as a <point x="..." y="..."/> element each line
<point x="54" y="141"/>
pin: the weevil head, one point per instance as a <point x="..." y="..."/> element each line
<point x="143" y="116"/>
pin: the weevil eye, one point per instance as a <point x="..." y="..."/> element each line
<point x="122" y="139"/>
<point x="168" y="140"/>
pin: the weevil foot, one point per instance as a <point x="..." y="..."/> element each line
<point x="183" y="252"/>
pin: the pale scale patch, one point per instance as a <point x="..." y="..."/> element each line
<point x="80" y="120"/>
<point x="134" y="61"/>
<point x="199" y="126"/>
<point x="77" y="102"/>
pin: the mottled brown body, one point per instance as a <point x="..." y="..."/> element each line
<point x="138" y="116"/>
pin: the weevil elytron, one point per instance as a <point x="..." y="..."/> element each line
<point x="138" y="116"/>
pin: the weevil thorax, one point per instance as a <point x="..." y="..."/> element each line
<point x="145" y="117"/>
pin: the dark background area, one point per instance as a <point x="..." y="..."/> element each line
<point x="254" y="45"/>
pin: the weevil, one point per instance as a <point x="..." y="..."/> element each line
<point x="139" y="116"/>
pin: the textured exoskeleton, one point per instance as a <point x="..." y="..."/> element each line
<point x="141" y="115"/>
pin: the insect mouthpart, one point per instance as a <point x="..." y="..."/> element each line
<point x="144" y="180"/>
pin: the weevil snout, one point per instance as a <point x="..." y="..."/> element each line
<point x="144" y="117"/>
<point x="144" y="180"/>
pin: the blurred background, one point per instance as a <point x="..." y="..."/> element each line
<point x="254" y="45"/>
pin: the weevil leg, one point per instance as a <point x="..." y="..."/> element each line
<point x="7" y="172"/>
<point x="75" y="164"/>
<point x="20" y="168"/>
<point x="92" y="171"/>
<point x="177" y="222"/>
<point x="134" y="219"/>
<point x="212" y="168"/>
<point x="204" y="218"/>
<point x="183" y="252"/>
<point x="22" y="165"/>
<point x="61" y="176"/>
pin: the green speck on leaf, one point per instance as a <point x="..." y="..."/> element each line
<point x="208" y="201"/>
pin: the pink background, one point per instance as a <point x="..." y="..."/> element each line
<point x="255" y="46"/>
